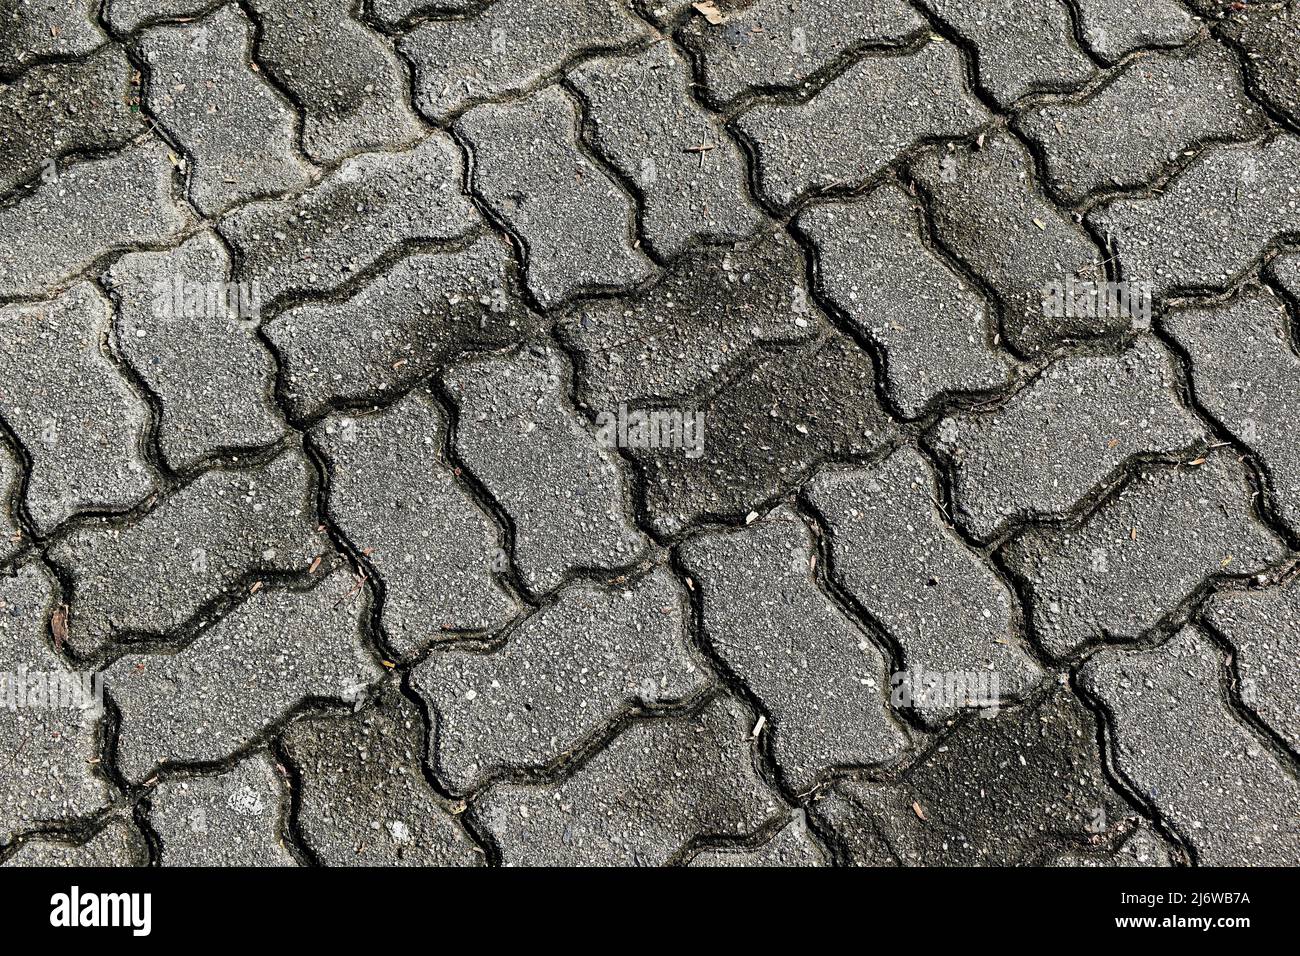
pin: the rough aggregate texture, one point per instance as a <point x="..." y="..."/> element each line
<point x="649" y="432"/>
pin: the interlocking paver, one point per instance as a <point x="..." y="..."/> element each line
<point x="128" y="199"/>
<point x="118" y="843"/>
<point x="153" y="576"/>
<point x="1142" y="848"/>
<point x="400" y="328"/>
<point x="396" y="499"/>
<point x="1266" y="32"/>
<point x="1264" y="626"/>
<point x="394" y="13"/>
<point x="689" y="173"/>
<point x="188" y="331"/>
<point x="1208" y="224"/>
<point x="810" y="665"/>
<point x="563" y="673"/>
<point x="765" y="431"/>
<point x="988" y="209"/>
<point x="862" y="121"/>
<point x="641" y="799"/>
<point x="343" y="76"/>
<point x="235" y="127"/>
<point x="1158" y="107"/>
<point x="567" y="495"/>
<point x="507" y="49"/>
<point x="48" y="715"/>
<point x="791" y="846"/>
<point x="1064" y="435"/>
<point x="575" y="223"/>
<point x="779" y="44"/>
<point x="35" y="31"/>
<point x="1112" y="28"/>
<point x="364" y="800"/>
<point x="11" y="536"/>
<point x="1021" y="46"/>
<point x="1211" y="778"/>
<point x="1142" y="554"/>
<point x="229" y="819"/>
<point x="369" y="207"/>
<point x="71" y="407"/>
<point x="710" y="312"/>
<point x="60" y="109"/>
<point x="946" y="608"/>
<point x="128" y="16"/>
<point x="1246" y="372"/>
<point x="933" y="328"/>
<point x="999" y="792"/>
<point x="248" y="670"/>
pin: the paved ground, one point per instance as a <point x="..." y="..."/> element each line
<point x="741" y="433"/>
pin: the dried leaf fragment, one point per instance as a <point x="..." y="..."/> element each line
<point x="59" y="626"/>
<point x="709" y="10"/>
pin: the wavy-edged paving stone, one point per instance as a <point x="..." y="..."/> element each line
<point x="343" y="76"/>
<point x="710" y="311"/>
<point x="1112" y="28"/>
<point x="789" y="847"/>
<point x="117" y="844"/>
<point x="1000" y="791"/>
<point x="575" y="223"/>
<point x="987" y="210"/>
<point x="395" y="13"/>
<point x="690" y="175"/>
<point x="1246" y="372"/>
<point x="372" y="204"/>
<point x="862" y="121"/>
<point x="565" y="672"/>
<point x="363" y="798"/>
<point x="1143" y="553"/>
<point x="48" y="715"/>
<point x="642" y="799"/>
<point x="1264" y="627"/>
<point x="1156" y="108"/>
<point x="127" y="16"/>
<point x="764" y="432"/>
<point x="1064" y="435"/>
<point x="1267" y="34"/>
<point x="818" y="675"/>
<point x="236" y="128"/>
<point x="426" y="310"/>
<point x="189" y="332"/>
<point x="1021" y="46"/>
<point x="948" y="610"/>
<point x="1177" y="740"/>
<point x="156" y="574"/>
<point x="245" y="672"/>
<point x="11" y="535"/>
<point x="1286" y="270"/>
<point x="129" y="199"/>
<point x="395" y="499"/>
<point x="60" y="109"/>
<point x="783" y="43"/>
<point x="70" y="406"/>
<point x="1142" y="848"/>
<point x="566" y="494"/>
<point x="933" y="328"/>
<point x="508" y="47"/>
<point x="231" y="818"/>
<point x="1212" y="220"/>
<point x="41" y="29"/>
